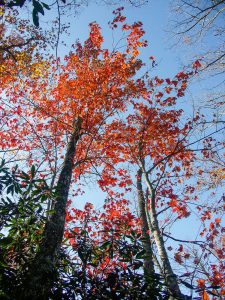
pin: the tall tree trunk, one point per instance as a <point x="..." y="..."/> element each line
<point x="148" y="260"/>
<point x="41" y="273"/>
<point x="170" y="277"/>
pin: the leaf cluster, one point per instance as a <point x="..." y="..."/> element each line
<point x="38" y="7"/>
<point x="113" y="267"/>
<point x="23" y="202"/>
<point x="23" y="210"/>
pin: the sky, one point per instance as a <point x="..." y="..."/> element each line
<point x="154" y="16"/>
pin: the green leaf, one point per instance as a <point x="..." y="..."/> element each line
<point x="2" y="163"/>
<point x="39" y="209"/>
<point x="9" y="201"/>
<point x="33" y="171"/>
<point x="141" y="254"/>
<point x="10" y="189"/>
<point x="32" y="220"/>
<point x="38" y="7"/>
<point x="105" y="245"/>
<point x="35" y="18"/>
<point x="21" y="2"/>
<point x="137" y="265"/>
<point x="24" y="175"/>
<point x="50" y="211"/>
<point x="3" y="265"/>
<point x="45" y="5"/>
<point x="6" y="241"/>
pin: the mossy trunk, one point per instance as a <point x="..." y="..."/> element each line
<point x="41" y="276"/>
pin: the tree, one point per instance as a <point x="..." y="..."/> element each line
<point x="23" y="203"/>
<point x="97" y="117"/>
<point x="107" y="245"/>
<point x="199" y="20"/>
<point x="115" y="256"/>
<point x="21" y="49"/>
<point x="156" y="141"/>
<point x="159" y="144"/>
<point x="69" y="116"/>
<point x="200" y="24"/>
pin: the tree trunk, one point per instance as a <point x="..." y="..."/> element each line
<point x="170" y="277"/>
<point x="41" y="277"/>
<point x="148" y="260"/>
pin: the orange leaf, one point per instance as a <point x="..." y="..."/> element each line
<point x="205" y="296"/>
<point x="217" y="220"/>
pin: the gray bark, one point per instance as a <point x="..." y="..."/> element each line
<point x="41" y="273"/>
<point x="148" y="260"/>
<point x="170" y="277"/>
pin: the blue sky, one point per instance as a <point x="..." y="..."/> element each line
<point x="154" y="16"/>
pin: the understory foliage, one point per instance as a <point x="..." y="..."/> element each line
<point x="90" y="268"/>
<point x="104" y="119"/>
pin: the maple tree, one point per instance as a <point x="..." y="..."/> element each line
<point x="97" y="116"/>
<point x="161" y="149"/>
<point x="93" y="86"/>
<point x="158" y="142"/>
